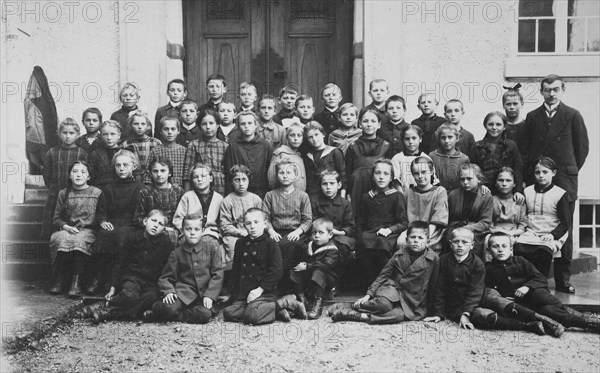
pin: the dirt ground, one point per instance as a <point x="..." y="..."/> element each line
<point x="302" y="346"/>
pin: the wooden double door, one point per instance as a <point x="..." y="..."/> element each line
<point x="271" y="43"/>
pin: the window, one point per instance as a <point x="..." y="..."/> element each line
<point x="559" y="26"/>
<point x="556" y="36"/>
<point x="589" y="224"/>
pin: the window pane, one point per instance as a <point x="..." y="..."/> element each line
<point x="546" y="37"/>
<point x="585" y="237"/>
<point x="527" y="36"/>
<point x="593" y="44"/>
<point x="576" y="35"/>
<point x="535" y="8"/>
<point x="597" y="237"/>
<point x="583" y="7"/>
<point x="585" y="214"/>
<point x="598" y="214"/>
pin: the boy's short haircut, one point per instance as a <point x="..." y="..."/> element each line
<point x="168" y="118"/>
<point x="177" y="81"/>
<point x="253" y="210"/>
<point x="313" y="125"/>
<point x="376" y="81"/>
<point x="162" y="160"/>
<point x="383" y="161"/>
<point x="267" y="96"/>
<point x="454" y="101"/>
<point x="513" y="92"/>
<point x="127" y="86"/>
<point x="422" y="160"/>
<point x="192" y="217"/>
<point x="411" y="127"/>
<point x="302" y="98"/>
<point x="112" y="123"/>
<point x="288" y="89"/>
<point x="139" y="113"/>
<point x="349" y="106"/>
<point x="292" y="127"/>
<point x="92" y="110"/>
<point x="447" y="127"/>
<point x="158" y="212"/>
<point x="239" y="168"/>
<point x="328" y="173"/>
<point x="69" y="122"/>
<point x="226" y="103"/>
<point x="462" y="229"/>
<point x="127" y="153"/>
<point x="323" y="222"/>
<point x="549" y="79"/>
<point x="286" y="162"/>
<point x="418" y="225"/>
<point x="428" y="94"/>
<point x="187" y="101"/>
<point x="499" y="234"/>
<point x="474" y="170"/>
<point x="216" y="77"/>
<point x="246" y="85"/>
<point x="333" y="86"/>
<point x="245" y="114"/>
<point x="395" y="98"/>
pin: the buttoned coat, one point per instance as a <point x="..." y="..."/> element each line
<point x="508" y="275"/>
<point x="565" y="141"/>
<point x="193" y="271"/>
<point x="411" y="284"/>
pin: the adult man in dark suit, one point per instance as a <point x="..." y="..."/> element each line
<point x="557" y="131"/>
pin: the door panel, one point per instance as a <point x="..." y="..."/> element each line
<point x="305" y="43"/>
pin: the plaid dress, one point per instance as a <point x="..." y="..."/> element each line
<point x="143" y="148"/>
<point x="176" y="154"/>
<point x="164" y="199"/>
<point x="56" y="177"/>
<point x="210" y="153"/>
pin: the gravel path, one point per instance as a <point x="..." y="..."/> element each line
<point x="302" y="346"/>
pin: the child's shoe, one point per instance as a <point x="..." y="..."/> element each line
<point x="148" y="316"/>
<point x="87" y="312"/>
<point x="346" y="314"/>
<point x="302" y="298"/>
<point x="553" y="328"/>
<point x="592" y="324"/>
<point x="75" y="291"/>
<point x="59" y="284"/>
<point x="102" y="314"/>
<point x="317" y="309"/>
<point x="290" y="303"/>
<point x="283" y="315"/>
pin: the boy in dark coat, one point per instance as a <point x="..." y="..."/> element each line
<point x="143" y="258"/>
<point x="396" y="294"/>
<point x="192" y="278"/>
<point x="317" y="271"/>
<point x="557" y="131"/>
<point x="257" y="269"/>
<point x="514" y="276"/>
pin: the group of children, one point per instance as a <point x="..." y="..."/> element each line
<point x="269" y="211"/>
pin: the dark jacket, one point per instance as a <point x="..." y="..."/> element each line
<point x="256" y="262"/>
<point x="392" y="133"/>
<point x="411" y="284"/>
<point x="565" y="141"/>
<point x="428" y="126"/>
<point x="509" y="275"/>
<point x="324" y="257"/>
<point x="142" y="257"/>
<point x="330" y="120"/>
<point x="460" y="286"/>
<point x="193" y="272"/>
<point x="331" y="159"/>
<point x="254" y="154"/>
<point x="338" y="210"/>
<point x="505" y="154"/>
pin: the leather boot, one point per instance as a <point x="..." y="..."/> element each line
<point x="290" y="304"/>
<point x="552" y="327"/>
<point x="75" y="291"/>
<point x="283" y="315"/>
<point x="346" y="314"/>
<point x="104" y="313"/>
<point x="506" y="323"/>
<point x="94" y="285"/>
<point x="316" y="310"/>
<point x="87" y="312"/>
<point x="59" y="282"/>
<point x="592" y="324"/>
<point x="302" y="298"/>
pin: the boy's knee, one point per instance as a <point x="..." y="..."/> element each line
<point x="197" y="315"/>
<point x="258" y="314"/>
<point x="165" y="311"/>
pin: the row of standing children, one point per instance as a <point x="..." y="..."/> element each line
<point x="380" y="236"/>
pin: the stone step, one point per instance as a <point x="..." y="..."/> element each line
<point x="21" y="231"/>
<point x="34" y="182"/>
<point x="36" y="195"/>
<point x="26" y="212"/>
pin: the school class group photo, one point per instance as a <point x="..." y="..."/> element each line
<point x="262" y="210"/>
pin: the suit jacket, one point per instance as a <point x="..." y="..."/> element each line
<point x="193" y="271"/>
<point x="566" y="142"/>
<point x="411" y="284"/>
<point x="480" y="216"/>
<point x="509" y="275"/>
